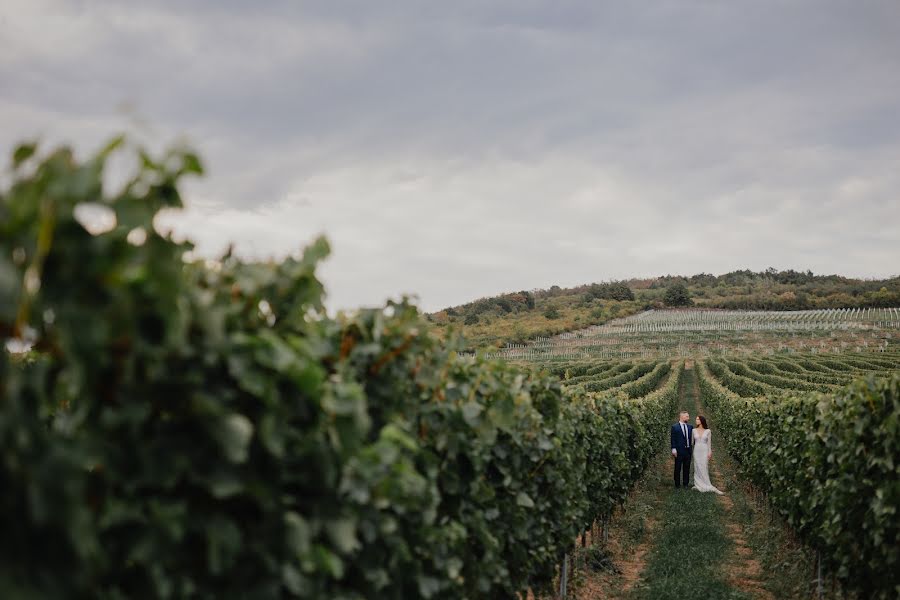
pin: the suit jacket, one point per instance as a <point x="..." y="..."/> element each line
<point x="678" y="441"/>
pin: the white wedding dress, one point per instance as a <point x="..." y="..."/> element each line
<point x="702" y="448"/>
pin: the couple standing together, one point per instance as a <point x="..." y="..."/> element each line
<point x="692" y="442"/>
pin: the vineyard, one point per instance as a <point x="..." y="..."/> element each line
<point x="702" y="333"/>
<point x="818" y="433"/>
<point x="179" y="429"/>
<point x="826" y="459"/>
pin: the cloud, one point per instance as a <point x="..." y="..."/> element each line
<point x="463" y="149"/>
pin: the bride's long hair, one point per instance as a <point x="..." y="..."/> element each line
<point x="703" y="421"/>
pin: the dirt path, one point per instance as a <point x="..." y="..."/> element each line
<point x="631" y="534"/>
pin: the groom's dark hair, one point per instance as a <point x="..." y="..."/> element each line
<point x="683" y="412"/>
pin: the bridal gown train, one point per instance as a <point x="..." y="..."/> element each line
<point x="702" y="448"/>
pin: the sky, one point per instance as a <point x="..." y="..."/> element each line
<point x="456" y="150"/>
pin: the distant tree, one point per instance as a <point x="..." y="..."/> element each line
<point x="677" y="295"/>
<point x="552" y="313"/>
<point x="620" y="291"/>
<point x="703" y="279"/>
<point x="666" y="280"/>
<point x="518" y="301"/>
<point x="482" y="305"/>
<point x="737" y="277"/>
<point x="884" y="299"/>
<point x="608" y="291"/>
<point x="792" y="277"/>
<point x="529" y="299"/>
<point x="471" y="319"/>
<point x="504" y="304"/>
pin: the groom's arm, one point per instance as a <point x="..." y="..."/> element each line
<point x="672" y="438"/>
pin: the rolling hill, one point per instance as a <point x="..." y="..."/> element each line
<point x="513" y="318"/>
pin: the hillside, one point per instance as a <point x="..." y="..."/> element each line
<point x="520" y="316"/>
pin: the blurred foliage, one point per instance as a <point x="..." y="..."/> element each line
<point x="204" y="429"/>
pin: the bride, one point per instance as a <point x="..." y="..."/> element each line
<point x="702" y="454"/>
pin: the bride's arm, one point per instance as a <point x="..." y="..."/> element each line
<point x="709" y="443"/>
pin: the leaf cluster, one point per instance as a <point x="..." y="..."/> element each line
<point x="829" y="464"/>
<point x="205" y="430"/>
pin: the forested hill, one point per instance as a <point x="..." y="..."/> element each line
<point x="519" y="316"/>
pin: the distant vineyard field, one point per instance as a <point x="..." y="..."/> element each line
<point x="701" y="333"/>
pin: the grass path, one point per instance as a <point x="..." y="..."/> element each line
<point x="677" y="544"/>
<point x="692" y="544"/>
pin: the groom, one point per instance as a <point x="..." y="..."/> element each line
<point x="682" y="437"/>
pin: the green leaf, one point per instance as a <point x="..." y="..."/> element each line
<point x="342" y="533"/>
<point x="471" y="410"/>
<point x="111" y="146"/>
<point x="428" y="586"/>
<point x="294" y="581"/>
<point x="22" y="153"/>
<point x="225" y="485"/>
<point x="223" y="544"/>
<point x="234" y="433"/>
<point x="271" y="434"/>
<point x="524" y="500"/>
<point x="297" y="534"/>
<point x="190" y="163"/>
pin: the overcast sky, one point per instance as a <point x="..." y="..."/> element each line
<point x="461" y="149"/>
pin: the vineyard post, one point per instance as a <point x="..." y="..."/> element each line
<point x="820" y="589"/>
<point x="563" y="574"/>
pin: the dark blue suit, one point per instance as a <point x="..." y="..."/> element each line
<point x="684" y="447"/>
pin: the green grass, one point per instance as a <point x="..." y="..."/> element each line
<point x="686" y="561"/>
